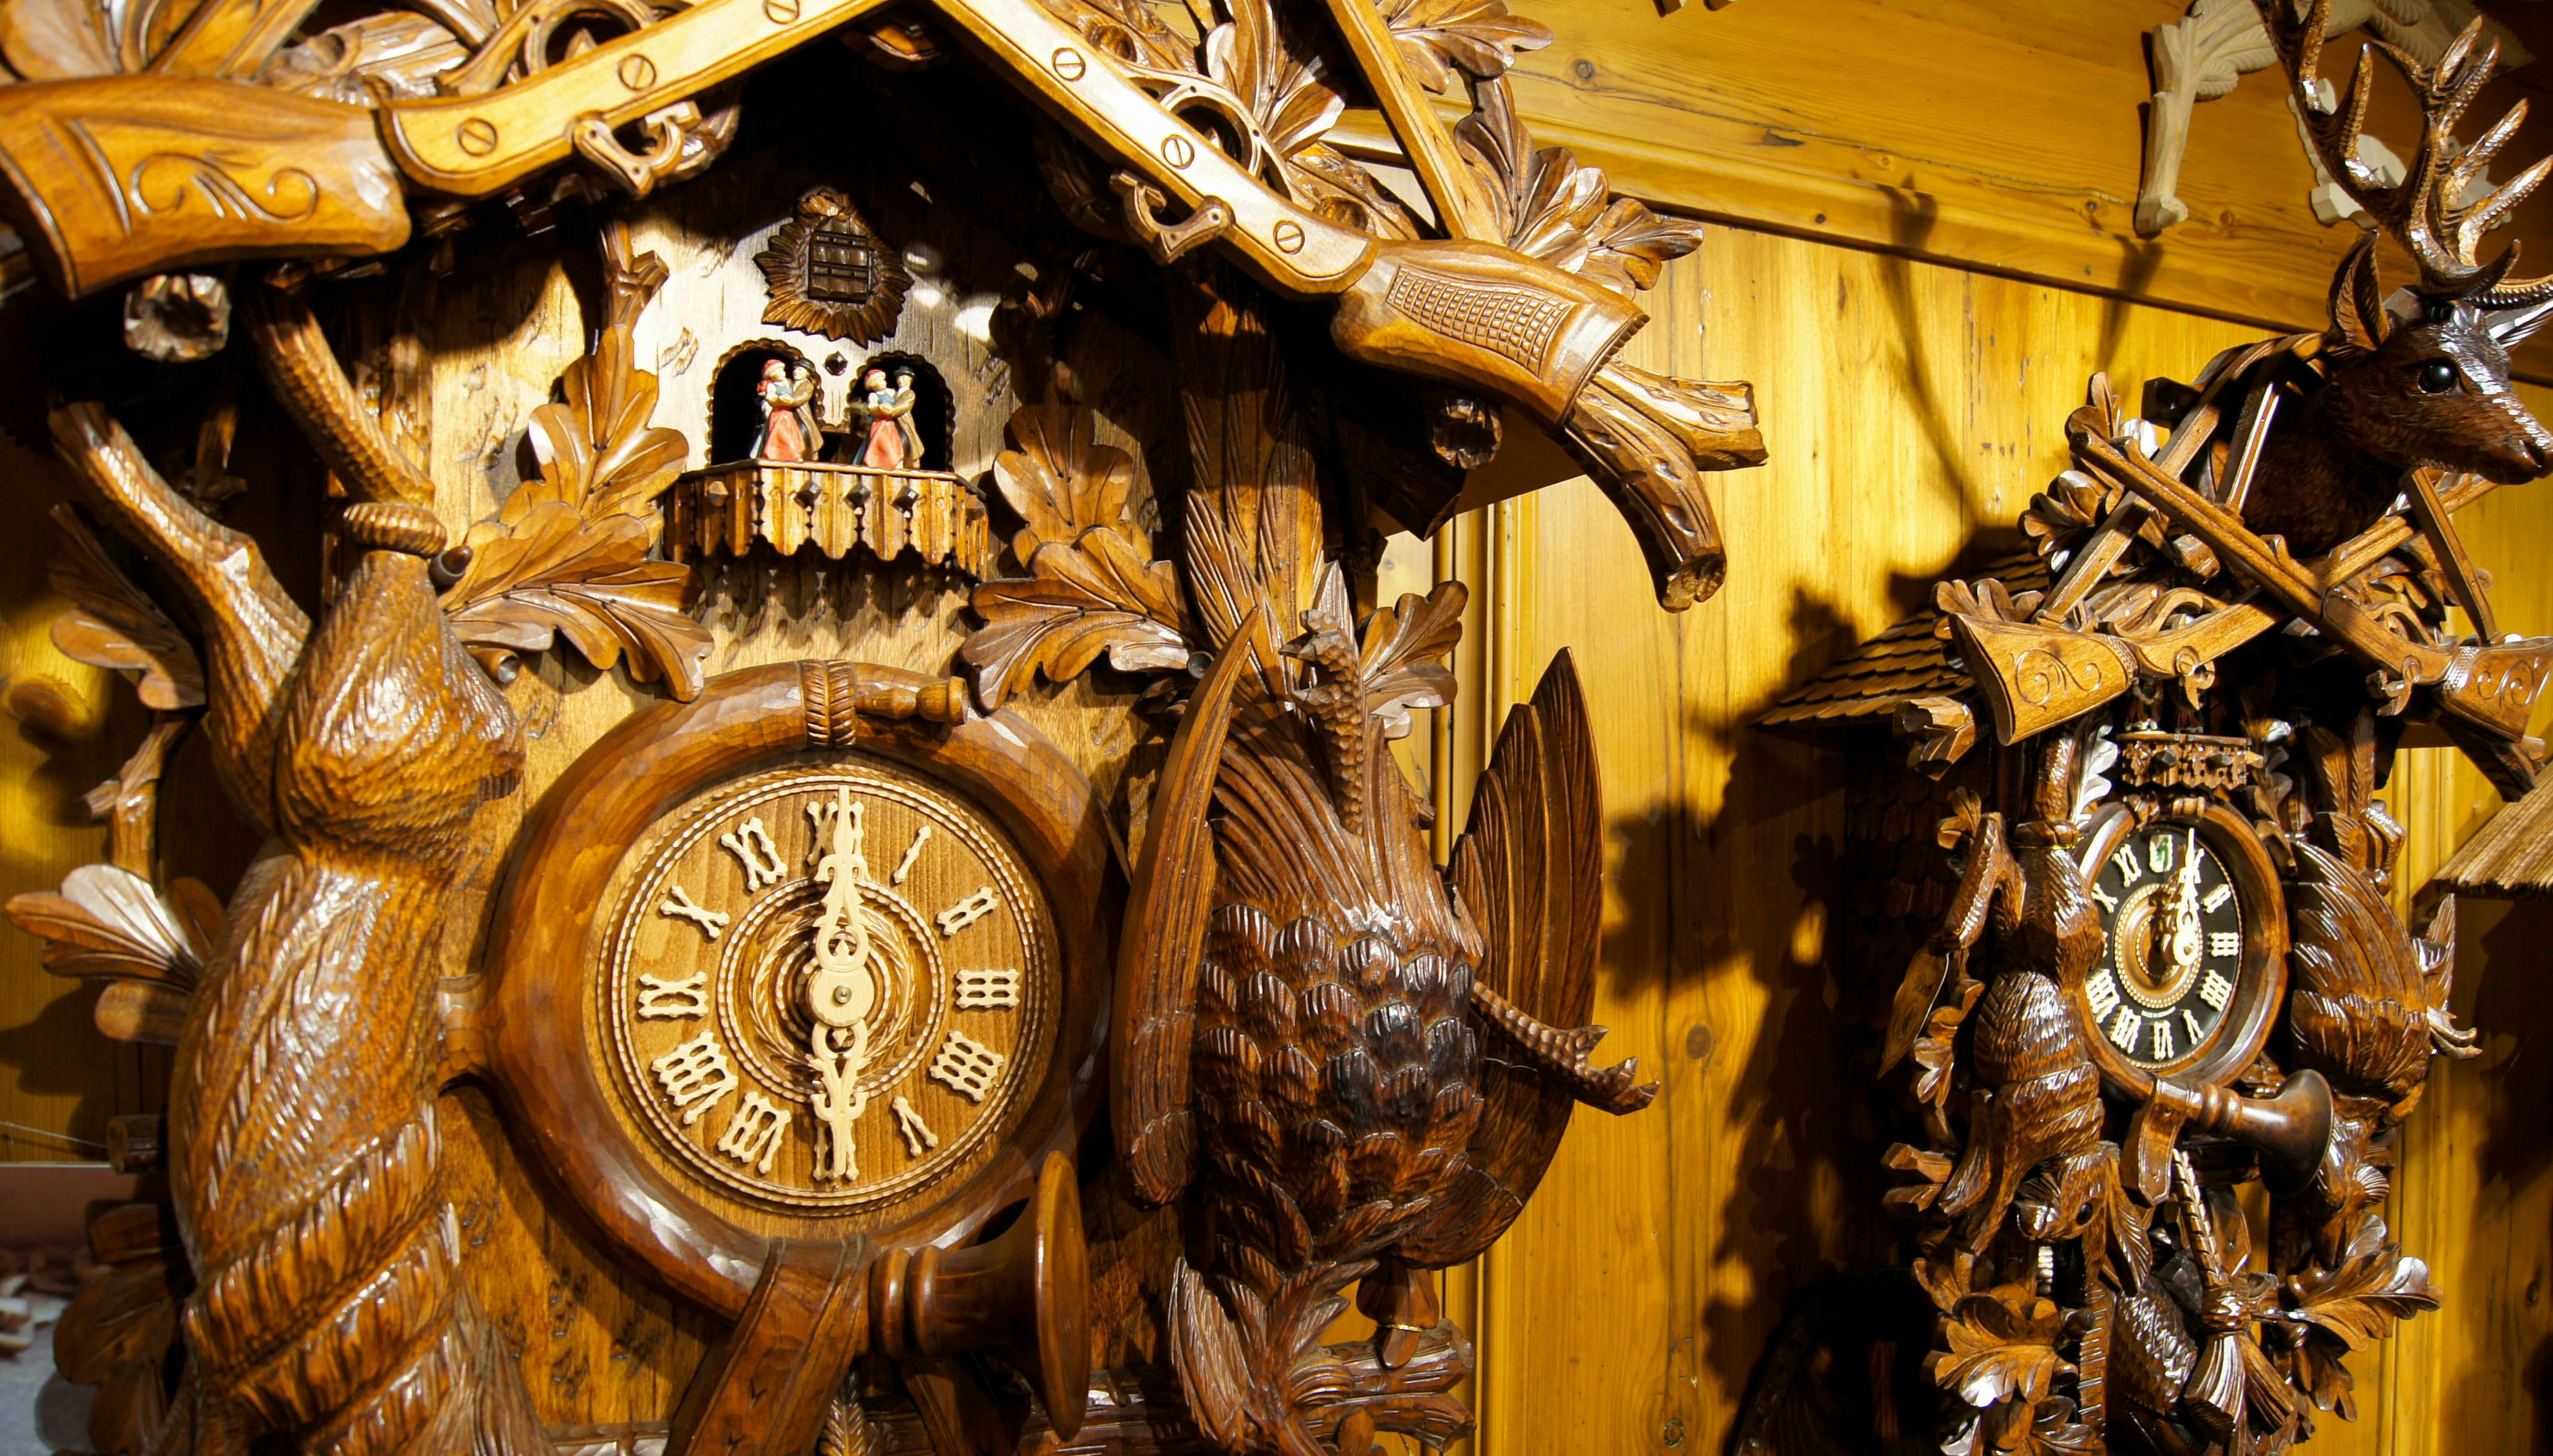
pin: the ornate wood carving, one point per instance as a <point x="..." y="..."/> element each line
<point x="2164" y="964"/>
<point x="789" y="990"/>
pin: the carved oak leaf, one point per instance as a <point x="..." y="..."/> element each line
<point x="2003" y="1345"/>
<point x="1289" y="101"/>
<point x="2376" y="1287"/>
<point x="1092" y="586"/>
<point x="116" y="1335"/>
<point x="1062" y="480"/>
<point x="1403" y="661"/>
<point x="2059" y="518"/>
<point x="597" y="451"/>
<point x="115" y="623"/>
<point x="1097" y="595"/>
<point x="109" y="921"/>
<point x="1440" y="38"/>
<point x="1551" y="208"/>
<point x="558" y="572"/>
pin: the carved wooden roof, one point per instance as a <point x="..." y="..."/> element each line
<point x="2512" y="857"/>
<point x="1908" y="660"/>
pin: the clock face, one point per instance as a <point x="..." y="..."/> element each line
<point x="826" y="988"/>
<point x="2175" y="947"/>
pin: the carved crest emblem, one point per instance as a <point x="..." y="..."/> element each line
<point x="829" y="275"/>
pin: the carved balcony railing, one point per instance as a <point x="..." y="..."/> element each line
<point x="933" y="515"/>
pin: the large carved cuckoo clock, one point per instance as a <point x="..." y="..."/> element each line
<point x="791" y="591"/>
<point x="2156" y="1019"/>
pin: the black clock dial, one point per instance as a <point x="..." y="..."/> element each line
<point x="2172" y="959"/>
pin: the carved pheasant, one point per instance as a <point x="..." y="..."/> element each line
<point x="1353" y="1059"/>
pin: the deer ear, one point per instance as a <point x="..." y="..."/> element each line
<point x="2358" y="313"/>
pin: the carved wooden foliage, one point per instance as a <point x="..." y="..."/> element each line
<point x="1443" y="41"/>
<point x="1092" y="587"/>
<point x="1549" y="207"/>
<point x="568" y="554"/>
<point x="109" y="921"/>
<point x="115" y="624"/>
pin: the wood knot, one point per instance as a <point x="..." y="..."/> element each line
<point x="389" y="525"/>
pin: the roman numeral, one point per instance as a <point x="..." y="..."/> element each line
<point x="2128" y="869"/>
<point x="665" y="999"/>
<point x="2215" y="990"/>
<point x="968" y="911"/>
<point x="2225" y="942"/>
<point x="987" y="990"/>
<point x="967" y="1065"/>
<point x="2104" y="897"/>
<point x="2217" y="898"/>
<point x="2162" y="1045"/>
<point x="918" y="1136"/>
<point x="2125" y="1029"/>
<point x="752" y="1135"/>
<point x="2198" y="1034"/>
<point x="2103" y="993"/>
<point x="679" y="904"/>
<point x="753" y="849"/>
<point x="695" y="1076"/>
<point x="912" y="853"/>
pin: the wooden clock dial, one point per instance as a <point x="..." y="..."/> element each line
<point x="828" y="987"/>
<point x="797" y="960"/>
<point x="2193" y="944"/>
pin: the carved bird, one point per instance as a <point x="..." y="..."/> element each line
<point x="2368" y="1003"/>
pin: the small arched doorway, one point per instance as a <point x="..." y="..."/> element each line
<point x="935" y="411"/>
<point x="736" y="398"/>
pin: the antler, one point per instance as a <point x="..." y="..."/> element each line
<point x="2423" y="212"/>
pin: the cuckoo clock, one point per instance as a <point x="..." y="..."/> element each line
<point x="2135" y="869"/>
<point x="835" y="879"/>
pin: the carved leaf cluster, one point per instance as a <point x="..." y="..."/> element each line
<point x="1549" y="207"/>
<point x="2003" y="1346"/>
<point x="114" y="623"/>
<point x="108" y="921"/>
<point x="1092" y="586"/>
<point x="1442" y="40"/>
<point x="568" y="552"/>
<point x="1287" y="99"/>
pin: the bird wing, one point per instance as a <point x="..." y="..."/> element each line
<point x="1154" y="1019"/>
<point x="1529" y="869"/>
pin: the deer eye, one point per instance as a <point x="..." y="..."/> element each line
<point x="2437" y="377"/>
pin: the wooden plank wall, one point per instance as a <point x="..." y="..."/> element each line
<point x="1911" y="410"/>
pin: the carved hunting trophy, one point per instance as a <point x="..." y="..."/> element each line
<point x="978" y="981"/>
<point x="2150" y="961"/>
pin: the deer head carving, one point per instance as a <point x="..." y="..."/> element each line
<point x="2419" y="378"/>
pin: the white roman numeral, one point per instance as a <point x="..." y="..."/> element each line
<point x="2162" y="1048"/>
<point x="2104" y="897"/>
<point x="695" y="1076"/>
<point x="912" y="854"/>
<point x="2217" y="898"/>
<point x="2215" y="990"/>
<point x="679" y="902"/>
<point x="2225" y="942"/>
<point x="2198" y="1034"/>
<point x="985" y="990"/>
<point x="967" y="1065"/>
<point x="968" y="911"/>
<point x="918" y="1136"/>
<point x="2103" y="993"/>
<point x="2128" y="869"/>
<point x="2125" y="1030"/>
<point x="664" y="999"/>
<point x="754" y="850"/>
<point x="753" y="1134"/>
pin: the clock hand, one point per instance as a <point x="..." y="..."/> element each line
<point x="2185" y="909"/>
<point x="840" y="993"/>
